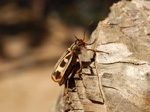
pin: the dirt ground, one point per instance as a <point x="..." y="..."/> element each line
<point x="25" y="83"/>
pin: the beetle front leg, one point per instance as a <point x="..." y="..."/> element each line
<point x="96" y="50"/>
<point x="80" y="65"/>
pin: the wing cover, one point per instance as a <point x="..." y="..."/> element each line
<point x="61" y="66"/>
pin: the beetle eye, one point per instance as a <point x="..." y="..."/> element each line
<point x="78" y="43"/>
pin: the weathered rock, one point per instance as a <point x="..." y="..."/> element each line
<point x="119" y="81"/>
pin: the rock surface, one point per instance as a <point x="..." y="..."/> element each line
<point x="118" y="82"/>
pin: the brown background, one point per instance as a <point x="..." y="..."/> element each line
<point x="33" y="35"/>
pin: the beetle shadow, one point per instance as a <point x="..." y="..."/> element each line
<point x="78" y="76"/>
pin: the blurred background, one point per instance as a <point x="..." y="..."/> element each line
<point x="33" y="36"/>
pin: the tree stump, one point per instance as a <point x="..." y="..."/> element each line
<point x="120" y="81"/>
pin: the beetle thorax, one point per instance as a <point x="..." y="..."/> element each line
<point x="75" y="48"/>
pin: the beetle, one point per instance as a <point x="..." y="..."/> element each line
<point x="66" y="65"/>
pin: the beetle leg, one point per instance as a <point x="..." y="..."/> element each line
<point x="80" y="65"/>
<point x="90" y="43"/>
<point x="96" y="50"/>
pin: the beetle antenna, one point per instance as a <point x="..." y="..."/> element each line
<point x="86" y="30"/>
<point x="75" y="37"/>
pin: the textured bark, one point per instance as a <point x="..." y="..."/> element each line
<point x="118" y="82"/>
